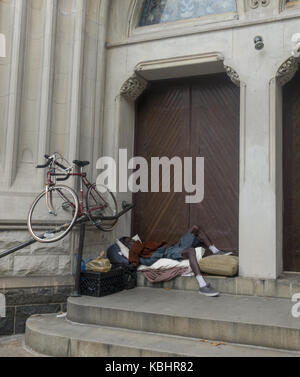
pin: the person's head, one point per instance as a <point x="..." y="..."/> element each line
<point x="127" y="241"/>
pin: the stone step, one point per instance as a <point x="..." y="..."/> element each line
<point x="257" y="321"/>
<point x="52" y="336"/>
<point x="284" y="287"/>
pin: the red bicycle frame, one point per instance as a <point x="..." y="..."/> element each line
<point x="83" y="182"/>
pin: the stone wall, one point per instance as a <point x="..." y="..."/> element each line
<point x="60" y="90"/>
<point x="27" y="297"/>
<point x="51" y="100"/>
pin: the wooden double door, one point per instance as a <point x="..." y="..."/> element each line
<point x="196" y="117"/>
<point x="291" y="174"/>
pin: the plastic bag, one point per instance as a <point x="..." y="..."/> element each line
<point x="100" y="264"/>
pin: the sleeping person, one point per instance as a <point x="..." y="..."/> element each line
<point x="147" y="253"/>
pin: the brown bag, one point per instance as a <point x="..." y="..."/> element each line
<point x="100" y="264"/>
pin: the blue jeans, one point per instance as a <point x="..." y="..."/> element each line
<point x="188" y="241"/>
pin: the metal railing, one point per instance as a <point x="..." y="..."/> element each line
<point x="82" y="222"/>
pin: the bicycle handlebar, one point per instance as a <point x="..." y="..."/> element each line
<point x="49" y="162"/>
<point x="44" y="166"/>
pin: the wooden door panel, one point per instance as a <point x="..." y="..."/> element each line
<point x="215" y="136"/>
<point x="291" y="174"/>
<point x="197" y="118"/>
<point x="162" y="130"/>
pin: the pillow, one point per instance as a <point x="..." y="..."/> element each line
<point x="115" y="256"/>
<point x="136" y="238"/>
<point x="224" y="265"/>
<point x="123" y="248"/>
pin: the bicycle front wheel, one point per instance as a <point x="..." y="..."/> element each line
<point x="101" y="205"/>
<point x="53" y="214"/>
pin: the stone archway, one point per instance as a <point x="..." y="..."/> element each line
<point x="135" y="86"/>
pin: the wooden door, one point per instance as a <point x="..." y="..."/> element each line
<point x="196" y="117"/>
<point x="291" y="174"/>
<point x="215" y="134"/>
<point x="163" y="129"/>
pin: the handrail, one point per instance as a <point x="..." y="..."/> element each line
<point x="81" y="220"/>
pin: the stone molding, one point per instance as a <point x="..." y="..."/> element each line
<point x="133" y="87"/>
<point x="234" y="76"/>
<point x="256" y="3"/>
<point x="287" y="70"/>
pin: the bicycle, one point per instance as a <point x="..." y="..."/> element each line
<point x="59" y="208"/>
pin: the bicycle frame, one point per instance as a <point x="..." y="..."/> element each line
<point x="84" y="182"/>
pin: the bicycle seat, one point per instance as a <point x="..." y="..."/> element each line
<point x="81" y="164"/>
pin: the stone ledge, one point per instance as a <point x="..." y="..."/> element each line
<point x="284" y="287"/>
<point x="57" y="337"/>
<point x="35" y="281"/>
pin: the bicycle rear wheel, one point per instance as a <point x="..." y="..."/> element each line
<point x="53" y="214"/>
<point x="100" y="205"/>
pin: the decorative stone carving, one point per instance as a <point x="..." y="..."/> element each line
<point x="133" y="87"/>
<point x="234" y="76"/>
<point x="256" y="3"/>
<point x="287" y="70"/>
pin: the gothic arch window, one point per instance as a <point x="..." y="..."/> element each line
<point x="160" y="11"/>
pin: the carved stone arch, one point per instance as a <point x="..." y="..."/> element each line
<point x="135" y="12"/>
<point x="135" y="85"/>
<point x="287" y="70"/>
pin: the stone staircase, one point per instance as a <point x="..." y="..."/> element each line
<point x="168" y="322"/>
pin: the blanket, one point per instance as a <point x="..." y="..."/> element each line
<point x="156" y="276"/>
<point x="165" y="264"/>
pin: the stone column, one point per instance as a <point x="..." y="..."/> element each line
<point x="19" y="9"/>
<point x="258" y="185"/>
<point x="75" y="110"/>
<point x="260" y="221"/>
<point x="47" y="81"/>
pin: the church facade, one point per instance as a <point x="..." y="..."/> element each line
<point x="215" y="79"/>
